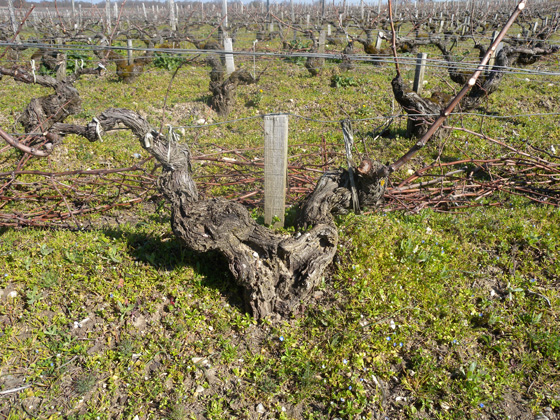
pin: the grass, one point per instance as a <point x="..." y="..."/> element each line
<point x="455" y="323"/>
<point x="441" y="316"/>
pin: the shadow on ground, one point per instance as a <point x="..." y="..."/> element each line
<point x="168" y="253"/>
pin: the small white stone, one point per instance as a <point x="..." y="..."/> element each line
<point x="12" y="294"/>
<point x="200" y="121"/>
<point x="199" y="389"/>
<point x="200" y="360"/>
<point x="260" y="409"/>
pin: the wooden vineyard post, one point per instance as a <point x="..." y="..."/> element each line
<point x="13" y="21"/>
<point x="293" y="16"/>
<point x="224" y="13"/>
<point x="362" y="10"/>
<point x="61" y="64"/>
<point x="129" y="51"/>
<point x="108" y="15"/>
<point x="322" y="41"/>
<point x="379" y="40"/>
<point x="419" y="73"/>
<point x="230" y="65"/>
<point x="172" y="21"/>
<point x="275" y="168"/>
<point x="492" y="59"/>
<point x="417" y="85"/>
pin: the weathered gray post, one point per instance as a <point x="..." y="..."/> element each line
<point x="108" y="14"/>
<point x="292" y="11"/>
<point x="322" y="41"/>
<point x="275" y="168"/>
<point x="492" y="59"/>
<point x="230" y="65"/>
<point x="362" y="10"/>
<point x="129" y="51"/>
<point x="172" y="21"/>
<point x="224" y="13"/>
<point x="61" y="64"/>
<point x="13" y="18"/>
<point x="419" y="73"/>
<point x="379" y="40"/>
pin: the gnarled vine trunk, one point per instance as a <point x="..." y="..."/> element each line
<point x="276" y="271"/>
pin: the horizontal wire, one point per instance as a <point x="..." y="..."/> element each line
<point x="434" y="63"/>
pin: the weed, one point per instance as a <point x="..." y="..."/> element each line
<point x="179" y="412"/>
<point x="256" y="99"/>
<point x="126" y="348"/>
<point x="84" y="383"/>
<point x="338" y="81"/>
<point x="167" y="61"/>
<point x="33" y="296"/>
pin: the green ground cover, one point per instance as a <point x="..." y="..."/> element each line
<point x="428" y="315"/>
